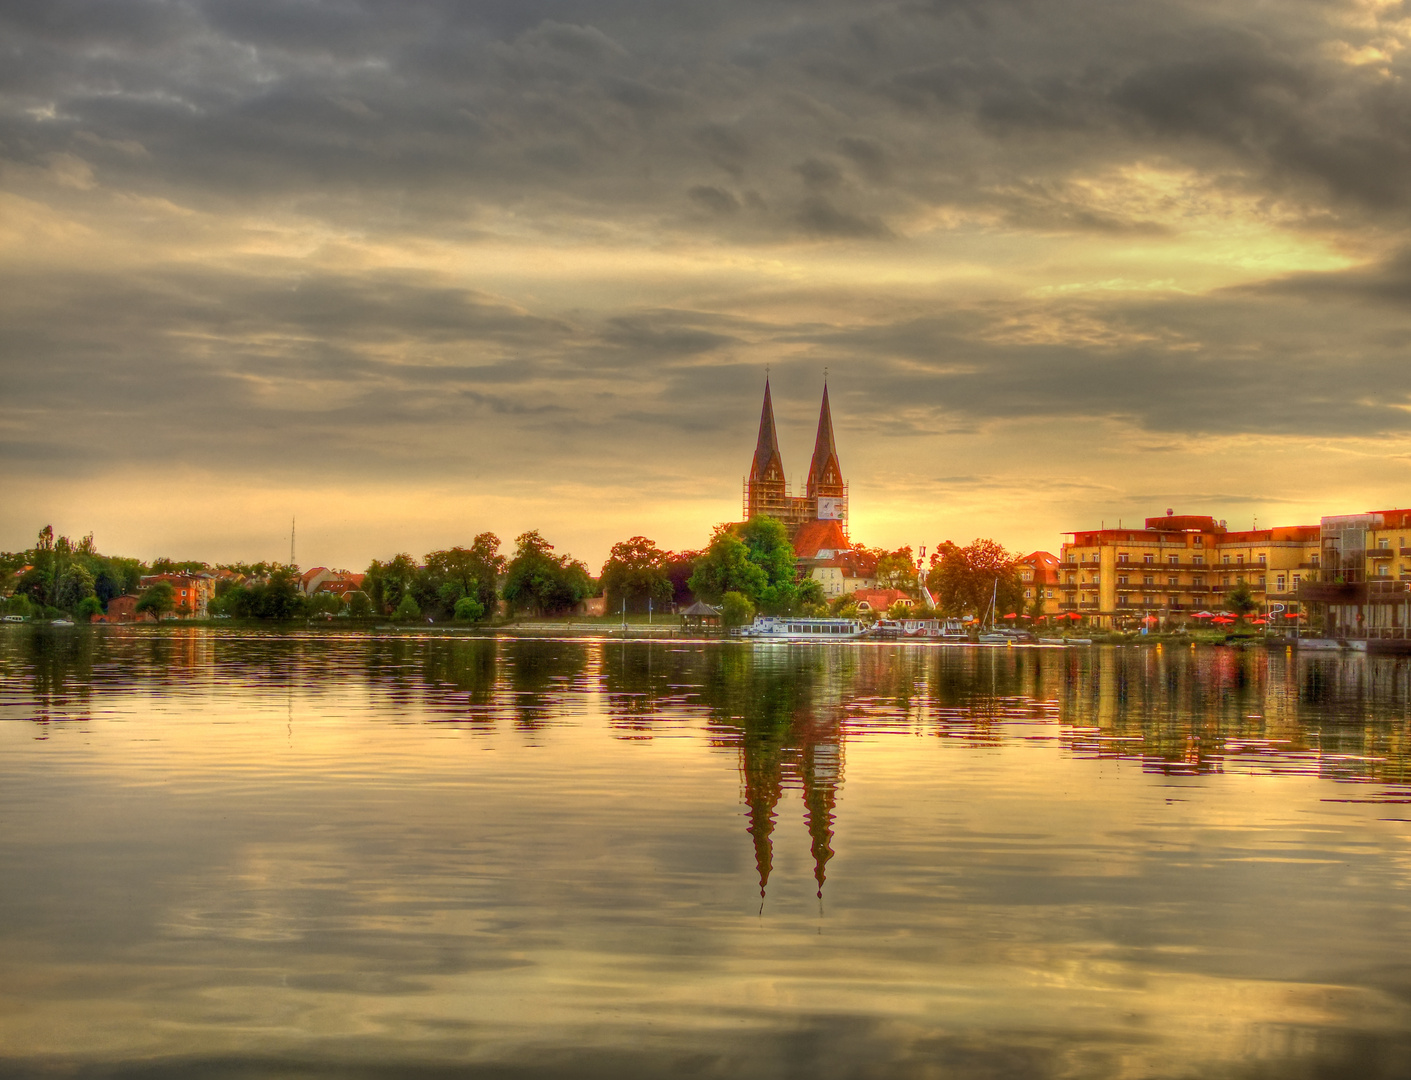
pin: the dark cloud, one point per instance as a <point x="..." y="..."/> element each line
<point x="960" y="132"/>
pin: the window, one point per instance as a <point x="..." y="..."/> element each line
<point x="1200" y="541"/>
<point x="1279" y="581"/>
<point x="1173" y="601"/>
<point x="1072" y="579"/>
<point x="1028" y="575"/>
<point x="1148" y="601"/>
<point x="1296" y="579"/>
<point x="1239" y="560"/>
<point x="1147" y="579"/>
<point x="1261" y="581"/>
<point x="1225" y="560"/>
<point x="1048" y="594"/>
<point x="1095" y="578"/>
<point x="1198" y="560"/>
<point x="1384" y="570"/>
<point x="1148" y="558"/>
<point x="1173" y="581"/>
<point x="1174" y="560"/>
<point x="1384" y="543"/>
<point x="1263" y="559"/>
<point x="1121" y="556"/>
<point x="1121" y="579"/>
<point x="1199" y="579"/>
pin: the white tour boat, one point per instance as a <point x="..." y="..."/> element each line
<point x="778" y="628"/>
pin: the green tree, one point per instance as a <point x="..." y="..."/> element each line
<point x="897" y="570"/>
<point x="537" y="580"/>
<point x="725" y="566"/>
<point x="736" y="609"/>
<point x="74" y="586"/>
<point x="386" y="583"/>
<point x="280" y="598"/>
<point x="457" y="572"/>
<point x="636" y="572"/>
<point x="469" y="609"/>
<point x="158" y="598"/>
<point x="408" y="608"/>
<point x="88" y="607"/>
<point x="1240" y="600"/>
<point x="359" y="605"/>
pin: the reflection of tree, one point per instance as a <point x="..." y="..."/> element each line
<point x="541" y="676"/>
<point x="60" y="670"/>
<point x="641" y="682"/>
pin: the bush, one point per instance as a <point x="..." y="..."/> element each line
<point x="408" y="608"/>
<point x="88" y="607"/>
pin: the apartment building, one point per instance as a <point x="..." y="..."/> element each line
<point x="1177" y="565"/>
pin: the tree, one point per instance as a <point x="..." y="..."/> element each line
<point x="359" y="605"/>
<point x="726" y="566"/>
<point x="636" y="572"/>
<point x="75" y="585"/>
<point x="736" y="609"/>
<point x="280" y="597"/>
<point x="897" y="570"/>
<point x="458" y="572"/>
<point x="1241" y="600"/>
<point x="158" y="598"/>
<point x="964" y="579"/>
<point x="538" y="580"/>
<point x="88" y="607"/>
<point x="386" y="583"/>
<point x="408" y="608"/>
<point x="469" y="609"/>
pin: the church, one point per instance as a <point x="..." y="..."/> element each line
<point x="817" y="519"/>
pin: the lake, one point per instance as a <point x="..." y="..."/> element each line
<point x="246" y="854"/>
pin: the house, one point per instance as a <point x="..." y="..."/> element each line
<point x="122" y="609"/>
<point x="192" y="593"/>
<point x="881" y="600"/>
<point x="1038" y="574"/>
<point x="1364" y="592"/>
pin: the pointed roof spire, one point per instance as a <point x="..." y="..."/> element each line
<point x="825" y="475"/>
<point x="766" y="451"/>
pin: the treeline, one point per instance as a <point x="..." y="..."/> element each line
<point x="66" y="578"/>
<point x="747" y="568"/>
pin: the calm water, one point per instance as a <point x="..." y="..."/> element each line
<point x="249" y="855"/>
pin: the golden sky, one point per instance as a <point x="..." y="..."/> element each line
<point x="413" y="271"/>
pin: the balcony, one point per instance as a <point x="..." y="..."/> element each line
<point x="1380" y="553"/>
<point x="1405" y="552"/>
<point x="1089" y="605"/>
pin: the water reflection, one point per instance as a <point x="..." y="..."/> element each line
<point x="492" y="854"/>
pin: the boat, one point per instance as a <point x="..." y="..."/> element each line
<point x="61" y="622"/>
<point x="1065" y="641"/>
<point x="921" y="630"/>
<point x="778" y="628"/>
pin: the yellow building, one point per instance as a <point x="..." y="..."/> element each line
<point x="1178" y="565"/>
<point x="1365" y="592"/>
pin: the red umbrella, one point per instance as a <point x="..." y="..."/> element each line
<point x="1151" y="618"/>
<point x="1261" y="622"/>
<point x="1203" y="615"/>
<point x="1011" y="615"/>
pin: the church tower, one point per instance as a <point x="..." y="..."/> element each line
<point x="766" y="490"/>
<point x="825" y="475"/>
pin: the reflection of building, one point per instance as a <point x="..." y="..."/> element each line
<point x="1179" y="564"/>
<point x="808" y="756"/>
<point x="825" y="496"/>
<point x="1365" y="588"/>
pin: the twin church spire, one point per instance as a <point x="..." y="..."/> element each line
<point x="766" y="489"/>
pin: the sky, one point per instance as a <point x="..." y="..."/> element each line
<point x="406" y="272"/>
